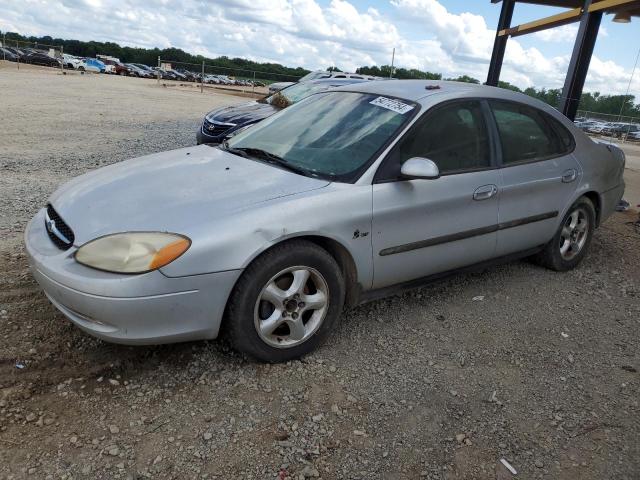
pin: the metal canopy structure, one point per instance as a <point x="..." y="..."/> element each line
<point x="589" y="15"/>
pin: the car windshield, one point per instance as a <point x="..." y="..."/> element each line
<point x="330" y="135"/>
<point x="297" y="92"/>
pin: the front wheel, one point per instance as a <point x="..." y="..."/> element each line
<point x="571" y="242"/>
<point x="286" y="302"/>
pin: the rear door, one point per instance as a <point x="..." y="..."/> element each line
<point x="538" y="178"/>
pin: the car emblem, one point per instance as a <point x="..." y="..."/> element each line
<point x="50" y="225"/>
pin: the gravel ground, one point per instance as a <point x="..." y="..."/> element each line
<point x="515" y="362"/>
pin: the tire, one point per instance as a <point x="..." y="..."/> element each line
<point x="569" y="245"/>
<point x="267" y="317"/>
<point x="81" y="69"/>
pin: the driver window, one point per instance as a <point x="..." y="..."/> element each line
<point x="453" y="136"/>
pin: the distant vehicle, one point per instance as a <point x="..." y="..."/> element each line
<point x="317" y="75"/>
<point x="223" y="123"/>
<point x="634" y="136"/>
<point x="16" y="51"/>
<point x="39" y="58"/>
<point x="596" y="127"/>
<point x="585" y="124"/>
<point x="92" y="65"/>
<point x="186" y="75"/>
<point x="71" y="62"/>
<point x="145" y="68"/>
<point x="117" y="68"/>
<point x="6" y="54"/>
<point x="619" y="130"/>
<point x="136" y="71"/>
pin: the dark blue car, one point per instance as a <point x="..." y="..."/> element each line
<point x="220" y="124"/>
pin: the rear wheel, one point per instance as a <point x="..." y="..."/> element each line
<point x="571" y="242"/>
<point x="286" y="302"/>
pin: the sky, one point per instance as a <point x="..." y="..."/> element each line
<point x="452" y="37"/>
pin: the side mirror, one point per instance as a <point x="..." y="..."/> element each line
<point x="418" y="167"/>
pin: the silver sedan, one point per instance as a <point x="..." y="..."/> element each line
<point x="348" y="195"/>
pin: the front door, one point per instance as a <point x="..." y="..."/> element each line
<point x="424" y="227"/>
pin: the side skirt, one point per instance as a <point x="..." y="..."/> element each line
<point x="377" y="294"/>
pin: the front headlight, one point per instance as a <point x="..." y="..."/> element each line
<point x="134" y="252"/>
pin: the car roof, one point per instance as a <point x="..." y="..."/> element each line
<point x="422" y="91"/>
<point x="415" y="90"/>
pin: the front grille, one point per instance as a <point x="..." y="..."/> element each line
<point x="214" y="129"/>
<point x="59" y="232"/>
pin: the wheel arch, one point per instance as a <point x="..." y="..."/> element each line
<point x="597" y="203"/>
<point x="340" y="254"/>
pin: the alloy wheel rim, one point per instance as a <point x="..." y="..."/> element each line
<point x="291" y="307"/>
<point x="574" y="233"/>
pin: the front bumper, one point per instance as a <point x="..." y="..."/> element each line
<point x="131" y="309"/>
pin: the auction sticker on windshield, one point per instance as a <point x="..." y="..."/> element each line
<point x="392" y="104"/>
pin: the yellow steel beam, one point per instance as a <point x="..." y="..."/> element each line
<point x="564" y="18"/>
<point x="607" y="4"/>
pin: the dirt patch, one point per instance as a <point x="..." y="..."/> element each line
<point x="431" y="384"/>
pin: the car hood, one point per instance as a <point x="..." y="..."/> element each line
<point x="241" y="114"/>
<point x="178" y="191"/>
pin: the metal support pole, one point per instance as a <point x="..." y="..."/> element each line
<point x="393" y="58"/>
<point x="202" y="79"/>
<point x="4" y="44"/>
<point x="253" y="89"/>
<point x="62" y="59"/>
<point x="500" y="43"/>
<point x="18" y="62"/>
<point x="579" y="63"/>
<point x="158" y="72"/>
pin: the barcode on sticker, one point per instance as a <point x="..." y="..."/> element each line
<point x="392" y="104"/>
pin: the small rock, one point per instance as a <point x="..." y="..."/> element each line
<point x="310" y="472"/>
<point x="332" y="369"/>
<point x="359" y="433"/>
<point x="460" y="437"/>
<point x="157" y="460"/>
<point x="113" y="451"/>
<point x="539" y="463"/>
<point x="114" y="429"/>
<point x="114" y="382"/>
<point x="207" y="436"/>
<point x="317" y="418"/>
<point x="31" y="417"/>
<point x="73" y="439"/>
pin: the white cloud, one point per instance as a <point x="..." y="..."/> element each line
<point x="564" y="33"/>
<point x="304" y="32"/>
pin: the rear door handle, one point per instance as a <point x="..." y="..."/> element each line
<point x="569" y="175"/>
<point x="484" y="192"/>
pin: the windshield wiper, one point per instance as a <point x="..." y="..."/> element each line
<point x="236" y="151"/>
<point x="273" y="159"/>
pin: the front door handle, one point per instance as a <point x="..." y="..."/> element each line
<point x="484" y="192"/>
<point x="569" y="175"/>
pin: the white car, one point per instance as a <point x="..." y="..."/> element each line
<point x="71" y="62"/>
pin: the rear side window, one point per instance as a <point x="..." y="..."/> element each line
<point x="527" y="134"/>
